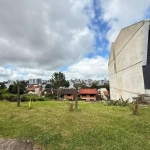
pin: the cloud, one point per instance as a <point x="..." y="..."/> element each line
<point x="5" y="72"/>
<point x="119" y="14"/>
<point x="43" y="34"/>
<point x="95" y="68"/>
<point x="40" y="37"/>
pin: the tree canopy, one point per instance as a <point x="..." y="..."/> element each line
<point x="2" y="86"/>
<point x="58" y="80"/>
<point x="13" y="88"/>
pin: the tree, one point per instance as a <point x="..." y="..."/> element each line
<point x="58" y="80"/>
<point x="48" y="86"/>
<point x="67" y="84"/>
<point x="106" y="85"/>
<point x="14" y="88"/>
<point x="2" y="86"/>
<point x="95" y="85"/>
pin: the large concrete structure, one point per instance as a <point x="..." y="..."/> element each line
<point x="129" y="62"/>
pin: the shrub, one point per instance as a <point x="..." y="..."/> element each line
<point x="49" y="95"/>
<point x="24" y="98"/>
<point x="9" y="97"/>
<point x="41" y="99"/>
<point x="134" y="107"/>
<point x="71" y="106"/>
<point x="119" y="102"/>
<point x="122" y="102"/>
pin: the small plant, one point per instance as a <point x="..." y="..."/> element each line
<point x="30" y="104"/>
<point x="71" y="106"/>
<point x="119" y="102"/>
<point x="122" y="102"/>
<point x="134" y="107"/>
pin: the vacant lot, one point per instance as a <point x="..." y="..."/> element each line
<point x="93" y="127"/>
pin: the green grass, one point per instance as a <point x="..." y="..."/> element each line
<point x="94" y="127"/>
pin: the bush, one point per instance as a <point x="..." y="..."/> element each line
<point x="3" y="91"/>
<point x="9" y="97"/>
<point x="119" y="102"/>
<point x="49" y="95"/>
<point x="41" y="99"/>
<point x="24" y="98"/>
<point x="134" y="107"/>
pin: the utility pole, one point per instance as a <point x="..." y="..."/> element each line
<point x="18" y="96"/>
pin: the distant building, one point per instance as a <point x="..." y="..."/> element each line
<point x="34" y="89"/>
<point x="35" y="81"/>
<point x="71" y="84"/>
<point x="129" y="62"/>
<point x="9" y="82"/>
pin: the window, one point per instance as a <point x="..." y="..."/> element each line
<point x="68" y="94"/>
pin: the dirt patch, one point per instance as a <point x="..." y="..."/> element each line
<point x="13" y="144"/>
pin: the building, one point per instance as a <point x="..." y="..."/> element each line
<point x="88" y="94"/>
<point x="69" y="94"/>
<point x="8" y="83"/>
<point x="34" y="89"/>
<point x="35" y="81"/>
<point x="129" y="62"/>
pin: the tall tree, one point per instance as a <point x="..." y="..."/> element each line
<point x="58" y="80"/>
<point x="67" y="84"/>
<point x="95" y="85"/>
<point x="48" y="86"/>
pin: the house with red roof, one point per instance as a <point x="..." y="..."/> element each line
<point x="34" y="89"/>
<point x="88" y="94"/>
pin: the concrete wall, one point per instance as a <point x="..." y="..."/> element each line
<point x="125" y="69"/>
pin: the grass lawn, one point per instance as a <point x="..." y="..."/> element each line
<point x="94" y="127"/>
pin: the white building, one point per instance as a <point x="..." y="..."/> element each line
<point x="129" y="62"/>
<point x="35" y="81"/>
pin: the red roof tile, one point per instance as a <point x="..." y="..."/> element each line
<point x="88" y="91"/>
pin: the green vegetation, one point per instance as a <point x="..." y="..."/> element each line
<point x="58" y="80"/>
<point x="14" y="88"/>
<point x="50" y="124"/>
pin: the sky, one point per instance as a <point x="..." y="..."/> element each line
<point x="40" y="37"/>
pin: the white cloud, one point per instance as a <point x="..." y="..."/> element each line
<point x="122" y="13"/>
<point x="39" y="37"/>
<point x="95" y="68"/>
<point x="44" y="34"/>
